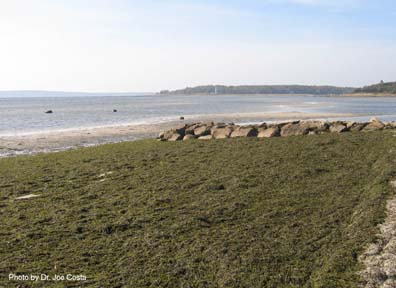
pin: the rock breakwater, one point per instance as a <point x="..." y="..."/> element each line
<point x="211" y="130"/>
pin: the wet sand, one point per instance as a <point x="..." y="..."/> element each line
<point x="63" y="140"/>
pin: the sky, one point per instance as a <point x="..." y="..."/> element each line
<point x="150" y="45"/>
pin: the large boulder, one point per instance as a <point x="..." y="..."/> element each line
<point x="268" y="132"/>
<point x="388" y="125"/>
<point x="173" y="136"/>
<point x="221" y="133"/>
<point x="303" y="128"/>
<point x="293" y="129"/>
<point x="202" y="130"/>
<point x="318" y="126"/>
<point x="375" y="119"/>
<point x="392" y="125"/>
<point x="191" y="127"/>
<point x="338" y="127"/>
<point x="181" y="129"/>
<point x="246" y="131"/>
<point x="374" y="126"/>
<point x="355" y="126"/>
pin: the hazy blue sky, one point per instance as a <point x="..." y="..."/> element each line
<point x="121" y="45"/>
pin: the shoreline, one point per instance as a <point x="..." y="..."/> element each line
<point x="369" y="95"/>
<point x="61" y="140"/>
<point x="288" y="95"/>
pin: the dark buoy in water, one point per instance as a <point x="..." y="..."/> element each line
<point x="49" y="112"/>
<point x="115" y="110"/>
<point x="181" y="118"/>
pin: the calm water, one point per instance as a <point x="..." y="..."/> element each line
<point x="26" y="115"/>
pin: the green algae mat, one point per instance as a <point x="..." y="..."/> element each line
<point x="279" y="212"/>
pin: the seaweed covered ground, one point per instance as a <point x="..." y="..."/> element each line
<point x="276" y="212"/>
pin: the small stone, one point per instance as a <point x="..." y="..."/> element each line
<point x="25" y="197"/>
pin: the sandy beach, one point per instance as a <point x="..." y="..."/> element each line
<point x="53" y="141"/>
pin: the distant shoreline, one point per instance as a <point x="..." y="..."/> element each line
<point x="285" y="95"/>
<point x="245" y="94"/>
<point x="369" y="95"/>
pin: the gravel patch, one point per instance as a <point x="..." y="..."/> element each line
<point x="379" y="259"/>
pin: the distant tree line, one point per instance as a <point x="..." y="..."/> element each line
<point x="382" y="87"/>
<point x="262" y="89"/>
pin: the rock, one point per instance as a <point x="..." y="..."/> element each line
<point x="219" y="125"/>
<point x="209" y="124"/>
<point x="356" y="126"/>
<point x="188" y="137"/>
<point x="172" y="135"/>
<point x="268" y="132"/>
<point x="175" y="137"/>
<point x="293" y="130"/>
<point x="26" y="197"/>
<point x="392" y="125"/>
<point x="303" y="128"/>
<point x="221" y="133"/>
<point x="181" y="129"/>
<point x="244" y="132"/>
<point x="190" y="128"/>
<point x="202" y="131"/>
<point x="263" y="125"/>
<point x="318" y="126"/>
<point x="206" y="137"/>
<point x="350" y="124"/>
<point x="181" y="118"/>
<point x="338" y="128"/>
<point x="374" y="119"/>
<point x="374" y="126"/>
<point x="388" y="125"/>
<point x="49" y="112"/>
